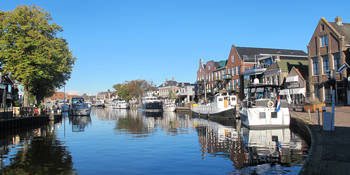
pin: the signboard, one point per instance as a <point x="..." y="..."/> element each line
<point x="342" y="68"/>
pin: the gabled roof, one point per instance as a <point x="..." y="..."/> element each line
<point x="343" y="29"/>
<point x="249" y="53"/>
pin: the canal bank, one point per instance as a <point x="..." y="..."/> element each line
<point x="329" y="153"/>
<point x="15" y="123"/>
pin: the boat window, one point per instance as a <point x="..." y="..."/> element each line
<point x="273" y="114"/>
<point x="233" y="99"/>
<point x="220" y="99"/>
<point x="262" y="115"/>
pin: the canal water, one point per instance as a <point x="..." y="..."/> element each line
<point x="131" y="142"/>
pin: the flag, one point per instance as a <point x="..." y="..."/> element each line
<point x="278" y="104"/>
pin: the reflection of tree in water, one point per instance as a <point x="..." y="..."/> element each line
<point x="42" y="155"/>
<point x="133" y="125"/>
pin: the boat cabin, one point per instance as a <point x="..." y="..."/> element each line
<point x="225" y="101"/>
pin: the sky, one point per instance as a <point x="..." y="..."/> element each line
<point x="119" y="40"/>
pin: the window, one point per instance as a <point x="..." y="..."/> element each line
<point x="239" y="70"/>
<point x="234" y="84"/>
<point x="232" y="58"/>
<point x="238" y="83"/>
<point x="262" y="115"/>
<point x="336" y="57"/>
<point x="234" y="70"/>
<point x="325" y="62"/>
<point x="324" y="41"/>
<point x="315" y="65"/>
<point x="273" y="114"/>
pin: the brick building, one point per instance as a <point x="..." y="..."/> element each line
<point x="328" y="50"/>
<point x="209" y="76"/>
<point x="234" y="68"/>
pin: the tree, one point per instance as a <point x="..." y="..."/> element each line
<point x="123" y="91"/>
<point x="31" y="52"/>
<point x="134" y="88"/>
<point x="172" y="95"/>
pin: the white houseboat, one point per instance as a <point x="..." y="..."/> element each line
<point x="262" y="107"/>
<point x="119" y="104"/>
<point x="223" y="105"/>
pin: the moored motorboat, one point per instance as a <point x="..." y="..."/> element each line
<point x="152" y="104"/>
<point x="120" y="104"/>
<point x="264" y="108"/>
<point x="223" y="105"/>
<point x="79" y="107"/>
<point x="169" y="107"/>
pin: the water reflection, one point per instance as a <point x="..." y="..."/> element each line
<point x="151" y="144"/>
<point x="37" y="151"/>
<point x="79" y="123"/>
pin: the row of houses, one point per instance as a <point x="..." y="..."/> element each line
<point x="303" y="75"/>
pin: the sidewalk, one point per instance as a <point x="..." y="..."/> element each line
<point x="330" y="153"/>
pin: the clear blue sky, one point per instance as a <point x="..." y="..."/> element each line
<point x="153" y="40"/>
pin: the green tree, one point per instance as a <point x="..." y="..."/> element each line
<point x="172" y="95"/>
<point x="123" y="91"/>
<point x="134" y="88"/>
<point x="32" y="53"/>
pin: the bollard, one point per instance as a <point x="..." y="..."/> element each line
<point x="308" y="111"/>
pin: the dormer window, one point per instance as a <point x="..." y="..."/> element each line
<point x="324" y="41"/>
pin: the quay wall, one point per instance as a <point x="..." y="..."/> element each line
<point x="303" y="129"/>
<point x="24" y="122"/>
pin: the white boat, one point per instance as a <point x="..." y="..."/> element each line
<point x="99" y="103"/>
<point x="263" y="108"/>
<point x="79" y="107"/>
<point x="223" y="105"/>
<point x="119" y="104"/>
<point x="152" y="104"/>
<point x="170" y="107"/>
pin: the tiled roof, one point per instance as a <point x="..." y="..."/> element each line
<point x="249" y="53"/>
<point x="343" y="29"/>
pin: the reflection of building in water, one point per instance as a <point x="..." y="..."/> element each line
<point x="215" y="138"/>
<point x="249" y="148"/>
<point x="79" y="123"/>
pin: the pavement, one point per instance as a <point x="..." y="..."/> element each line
<point x="330" y="151"/>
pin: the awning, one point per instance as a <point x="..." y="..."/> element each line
<point x="292" y="79"/>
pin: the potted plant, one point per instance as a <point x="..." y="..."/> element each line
<point x="313" y="105"/>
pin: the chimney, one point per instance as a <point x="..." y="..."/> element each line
<point x="338" y="21"/>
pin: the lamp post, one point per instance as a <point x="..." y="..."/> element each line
<point x="332" y="83"/>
